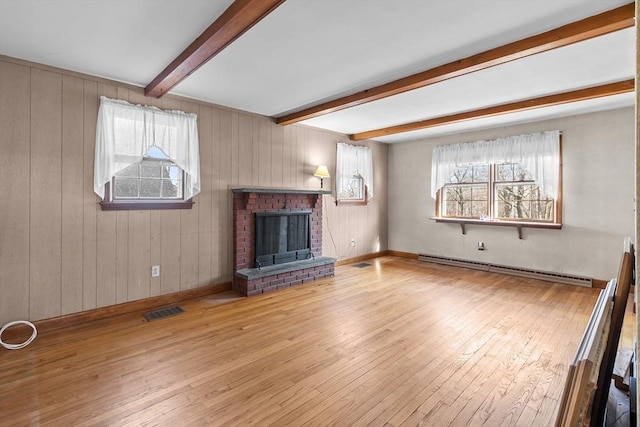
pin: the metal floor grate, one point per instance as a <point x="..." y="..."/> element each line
<point x="361" y="265"/>
<point x="163" y="312"/>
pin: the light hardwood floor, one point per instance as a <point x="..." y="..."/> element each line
<point x="400" y="342"/>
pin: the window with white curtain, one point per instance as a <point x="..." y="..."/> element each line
<point x="512" y="179"/>
<point x="155" y="177"/>
<point x="354" y="173"/>
<point x="145" y="158"/>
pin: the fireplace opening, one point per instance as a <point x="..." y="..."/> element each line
<point x="282" y="237"/>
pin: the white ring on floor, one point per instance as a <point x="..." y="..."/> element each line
<point x="24" y="344"/>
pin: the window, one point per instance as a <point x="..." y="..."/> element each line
<point x="154" y="182"/>
<point x="514" y="179"/>
<point x="354" y="174"/>
<point x="518" y="197"/>
<point x="467" y="193"/>
<point x="351" y="188"/>
<point x="503" y="191"/>
<point x="146" y="158"/>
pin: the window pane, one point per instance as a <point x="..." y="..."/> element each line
<point x="150" y="188"/>
<point x="451" y="209"/>
<point x="351" y="188"/>
<point x="481" y="173"/>
<point x="479" y="208"/>
<point x="466" y="210"/>
<point x="150" y="169"/>
<point x="542" y="210"/>
<point x="465" y="193"/>
<point x="465" y="200"/>
<point x="523" y="210"/>
<point x="479" y="193"/>
<point x="462" y="175"/>
<point x="126" y="187"/>
<point x="453" y="194"/>
<point x="470" y="174"/>
<point x="523" y="201"/>
<point x="512" y="172"/>
<point x="129" y="171"/>
<point x="171" y="189"/>
<point x="504" y="172"/>
<point x="521" y="174"/>
<point x="171" y="171"/>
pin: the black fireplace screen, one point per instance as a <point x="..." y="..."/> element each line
<point x="282" y="237"/>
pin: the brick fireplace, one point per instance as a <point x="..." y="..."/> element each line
<point x="250" y="277"/>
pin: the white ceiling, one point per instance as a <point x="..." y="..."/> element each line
<point x="308" y="51"/>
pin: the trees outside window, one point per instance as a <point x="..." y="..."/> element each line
<point x="504" y="191"/>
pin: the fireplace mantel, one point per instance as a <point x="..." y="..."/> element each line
<point x="263" y="190"/>
<point x="251" y="194"/>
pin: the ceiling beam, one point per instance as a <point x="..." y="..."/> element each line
<point x="597" y="25"/>
<point x="513" y="107"/>
<point x="239" y="17"/>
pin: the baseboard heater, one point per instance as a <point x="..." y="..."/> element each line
<point x="514" y="271"/>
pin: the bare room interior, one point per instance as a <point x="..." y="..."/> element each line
<point x="318" y="212"/>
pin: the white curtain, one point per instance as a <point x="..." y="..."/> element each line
<point x="354" y="160"/>
<point x="539" y="153"/>
<point x="125" y="132"/>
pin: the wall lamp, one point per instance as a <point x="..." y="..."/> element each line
<point x="322" y="172"/>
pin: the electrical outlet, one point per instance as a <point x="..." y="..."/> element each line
<point x="481" y="246"/>
<point x="155" y="271"/>
<point x="353" y="242"/>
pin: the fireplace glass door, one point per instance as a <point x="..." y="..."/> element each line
<point x="282" y="237"/>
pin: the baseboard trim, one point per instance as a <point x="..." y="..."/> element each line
<point x="361" y="258"/>
<point x="596" y="283"/>
<point x="401" y="254"/>
<point x="74" y="319"/>
<point x="599" y="284"/>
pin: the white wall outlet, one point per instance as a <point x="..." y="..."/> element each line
<point x="155" y="271"/>
<point x="481" y="246"/>
<point x="353" y="242"/>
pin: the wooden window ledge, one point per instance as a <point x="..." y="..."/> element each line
<point x="519" y="225"/>
<point x="352" y="202"/>
<point x="142" y="205"/>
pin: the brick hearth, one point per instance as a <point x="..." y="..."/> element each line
<point x="249" y="201"/>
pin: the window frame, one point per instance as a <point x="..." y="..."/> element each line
<point x="172" y="131"/>
<point x="363" y="200"/>
<point x="494" y="197"/>
<point x="111" y="203"/>
<point x="492" y="219"/>
<point x="354" y="160"/>
<point x="487" y="188"/>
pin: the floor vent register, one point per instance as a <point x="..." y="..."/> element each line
<point x="362" y="265"/>
<point x="163" y="312"/>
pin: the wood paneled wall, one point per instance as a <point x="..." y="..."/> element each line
<point x="61" y="254"/>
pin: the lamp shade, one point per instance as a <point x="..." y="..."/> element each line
<point x="321" y="172"/>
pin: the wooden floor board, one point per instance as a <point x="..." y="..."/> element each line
<point x="519" y="369"/>
<point x="401" y="342"/>
<point x="506" y="369"/>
